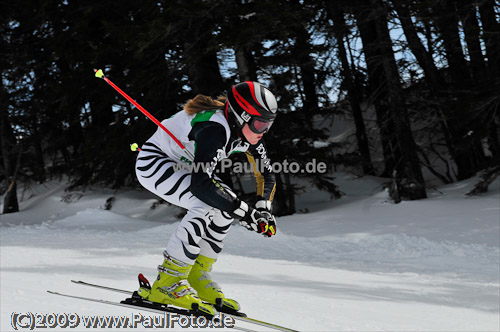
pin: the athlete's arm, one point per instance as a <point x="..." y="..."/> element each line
<point x="209" y="138"/>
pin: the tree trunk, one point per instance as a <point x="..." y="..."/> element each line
<point x="301" y="51"/>
<point x="247" y="69"/>
<point x="8" y="146"/>
<point x="434" y="79"/>
<point x="290" y="194"/>
<point x="101" y="111"/>
<point x="462" y="122"/>
<point x="377" y="84"/>
<point x="485" y="123"/>
<point x="203" y="69"/>
<point x="406" y="166"/>
<point x="354" y="95"/>
<point x="284" y="202"/>
<point x="40" y="169"/>
<point x="494" y="141"/>
<point x="10" y="203"/>
<point x="306" y="64"/>
<point x="468" y="15"/>
<point x="447" y="23"/>
<point x="491" y="37"/>
<point x="424" y="58"/>
<point x="200" y="50"/>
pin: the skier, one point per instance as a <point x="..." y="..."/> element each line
<point x="211" y="129"/>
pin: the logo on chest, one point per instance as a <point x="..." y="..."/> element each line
<point x="236" y="146"/>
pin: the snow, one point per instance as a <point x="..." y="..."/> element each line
<point x="360" y="263"/>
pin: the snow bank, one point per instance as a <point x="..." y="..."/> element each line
<point x="359" y="263"/>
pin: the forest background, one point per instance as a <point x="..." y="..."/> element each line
<point x="418" y="81"/>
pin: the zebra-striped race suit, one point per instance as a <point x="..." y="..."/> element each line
<point x="209" y="207"/>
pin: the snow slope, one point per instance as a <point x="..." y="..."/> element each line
<point x="357" y="264"/>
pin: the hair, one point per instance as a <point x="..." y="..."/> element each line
<point x="202" y="103"/>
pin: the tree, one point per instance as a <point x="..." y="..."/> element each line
<point x="10" y="155"/>
<point x="164" y="52"/>
<point x="424" y="57"/>
<point x="386" y="92"/>
<point x="199" y="47"/>
<point x="340" y="32"/>
<point x="463" y="124"/>
<point x="491" y="37"/>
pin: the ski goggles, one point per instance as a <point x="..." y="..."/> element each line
<point x="260" y="126"/>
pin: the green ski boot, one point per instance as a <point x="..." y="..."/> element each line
<point x="208" y="290"/>
<point x="171" y="287"/>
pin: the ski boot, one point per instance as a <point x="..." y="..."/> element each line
<point x="171" y="287"/>
<point x="208" y="290"/>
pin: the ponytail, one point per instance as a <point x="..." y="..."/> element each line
<point x="202" y="103"/>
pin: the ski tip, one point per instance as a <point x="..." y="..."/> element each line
<point x="52" y="292"/>
<point x="99" y="73"/>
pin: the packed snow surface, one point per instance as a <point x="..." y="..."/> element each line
<point x="360" y="263"/>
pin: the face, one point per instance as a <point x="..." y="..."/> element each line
<point x="250" y="136"/>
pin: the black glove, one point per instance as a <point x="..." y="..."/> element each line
<point x="264" y="207"/>
<point x="251" y="219"/>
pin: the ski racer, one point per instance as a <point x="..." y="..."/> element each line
<point x="211" y="129"/>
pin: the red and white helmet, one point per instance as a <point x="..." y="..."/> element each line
<point x="252" y="103"/>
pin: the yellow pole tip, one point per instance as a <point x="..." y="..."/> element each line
<point x="134" y="147"/>
<point x="99" y="74"/>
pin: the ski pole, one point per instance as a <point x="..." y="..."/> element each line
<point x="99" y="74"/>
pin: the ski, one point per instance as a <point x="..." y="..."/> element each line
<point x="245" y="319"/>
<point x="83" y="283"/>
<point x="161" y="309"/>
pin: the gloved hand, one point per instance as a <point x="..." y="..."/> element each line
<point x="264" y="207"/>
<point x="251" y="219"/>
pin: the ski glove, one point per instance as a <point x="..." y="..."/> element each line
<point x="264" y="207"/>
<point x="250" y="218"/>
